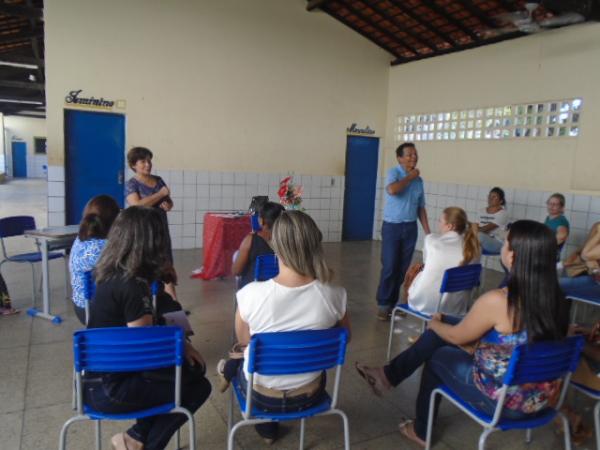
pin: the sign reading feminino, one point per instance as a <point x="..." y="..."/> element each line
<point x="74" y="98"/>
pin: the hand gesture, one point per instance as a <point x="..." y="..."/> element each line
<point x="414" y="174"/>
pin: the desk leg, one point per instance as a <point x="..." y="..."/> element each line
<point x="45" y="313"/>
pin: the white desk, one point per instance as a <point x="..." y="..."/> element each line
<point x="45" y="236"/>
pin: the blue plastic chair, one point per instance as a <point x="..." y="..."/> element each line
<point x="127" y="349"/>
<point x="254" y="222"/>
<point x="266" y="267"/>
<point x="456" y="279"/>
<point x="16" y="226"/>
<point x="288" y="353"/>
<point x="595" y="395"/>
<point x="529" y="363"/>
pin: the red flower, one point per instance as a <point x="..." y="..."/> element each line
<point x="285" y="181"/>
<point x="282" y="191"/>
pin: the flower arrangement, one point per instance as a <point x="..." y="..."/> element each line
<point x="290" y="194"/>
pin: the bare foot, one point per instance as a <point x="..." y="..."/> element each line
<point x="123" y="441"/>
<point x="407" y="429"/>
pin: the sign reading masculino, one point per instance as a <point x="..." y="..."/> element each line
<point x="75" y="98"/>
<point x="353" y="129"/>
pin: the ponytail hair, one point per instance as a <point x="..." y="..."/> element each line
<point x="457" y="217"/>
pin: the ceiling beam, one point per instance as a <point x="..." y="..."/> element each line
<point x="25" y="98"/>
<point x="362" y="16"/>
<point x="35" y="47"/>
<point x="7" y="38"/>
<point x="417" y="18"/>
<point x="21" y="84"/>
<point x="479" y="43"/>
<point x="477" y="12"/>
<point x="18" y="59"/>
<point x="363" y="34"/>
<point x="24" y="114"/>
<point x="315" y="4"/>
<point x="22" y="11"/>
<point x="440" y="11"/>
<point x="383" y="13"/>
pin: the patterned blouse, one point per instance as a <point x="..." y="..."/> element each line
<point x="84" y="256"/>
<point x="143" y="190"/>
<point x="490" y="364"/>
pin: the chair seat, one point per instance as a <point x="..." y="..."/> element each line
<point x="32" y="257"/>
<point x="536" y="420"/>
<point x="98" y="415"/>
<point x="586" y="390"/>
<point x="260" y="413"/>
<point x="404" y="307"/>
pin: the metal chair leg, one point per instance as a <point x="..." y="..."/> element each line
<point x="567" y="431"/>
<point x="32" y="285"/>
<point x="430" y="420"/>
<point x="597" y="424"/>
<point x="484" y="436"/>
<point x="389" y="347"/>
<point x="528" y="436"/>
<point x="98" y="435"/>
<point x="302" y="424"/>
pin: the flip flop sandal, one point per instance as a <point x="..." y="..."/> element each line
<point x="402" y="426"/>
<point x="9" y="311"/>
<point x="368" y="378"/>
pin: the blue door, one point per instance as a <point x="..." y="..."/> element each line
<point x="361" y="181"/>
<point x="19" y="159"/>
<point x="94" y="159"/>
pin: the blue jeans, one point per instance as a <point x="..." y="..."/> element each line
<point x="489" y="243"/>
<point x="444" y="364"/>
<point x="397" y="248"/>
<point x="138" y="391"/>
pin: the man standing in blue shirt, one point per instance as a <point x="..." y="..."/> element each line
<point x="404" y="203"/>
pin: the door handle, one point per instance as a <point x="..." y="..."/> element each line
<point x="120" y="177"/>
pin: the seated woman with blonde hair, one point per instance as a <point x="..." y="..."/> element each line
<point x="301" y="297"/>
<point x="456" y="244"/>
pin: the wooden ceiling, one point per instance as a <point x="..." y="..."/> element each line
<point x="22" y="84"/>
<point x="411" y="30"/>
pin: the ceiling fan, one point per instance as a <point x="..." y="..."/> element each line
<point x="566" y="13"/>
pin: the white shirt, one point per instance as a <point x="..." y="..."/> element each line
<point x="499" y="218"/>
<point x="440" y="252"/>
<point x="267" y="306"/>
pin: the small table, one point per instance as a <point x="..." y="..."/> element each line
<point x="223" y="234"/>
<point x="46" y="237"/>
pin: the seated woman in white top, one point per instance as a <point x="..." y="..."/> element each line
<point x="456" y="245"/>
<point x="299" y="298"/>
<point x="493" y="221"/>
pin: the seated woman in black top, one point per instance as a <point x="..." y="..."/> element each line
<point x="256" y="244"/>
<point x="136" y="254"/>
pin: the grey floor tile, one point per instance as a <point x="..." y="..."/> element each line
<point x="13" y="374"/>
<point x="10" y="430"/>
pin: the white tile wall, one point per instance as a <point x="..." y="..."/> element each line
<point x="56" y="195"/>
<point x="196" y="193"/>
<point x="581" y="210"/>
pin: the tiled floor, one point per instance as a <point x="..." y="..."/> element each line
<point x="36" y="361"/>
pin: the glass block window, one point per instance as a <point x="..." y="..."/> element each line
<point x="547" y="119"/>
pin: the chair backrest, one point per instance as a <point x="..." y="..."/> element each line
<point x="485" y="252"/>
<point x="128" y="349"/>
<point x="543" y="361"/>
<point x="462" y="278"/>
<point x="293" y="352"/>
<point x="266" y="267"/>
<point x="254" y="222"/>
<point x="16" y="225"/>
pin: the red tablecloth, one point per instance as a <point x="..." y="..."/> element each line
<point x="223" y="234"/>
